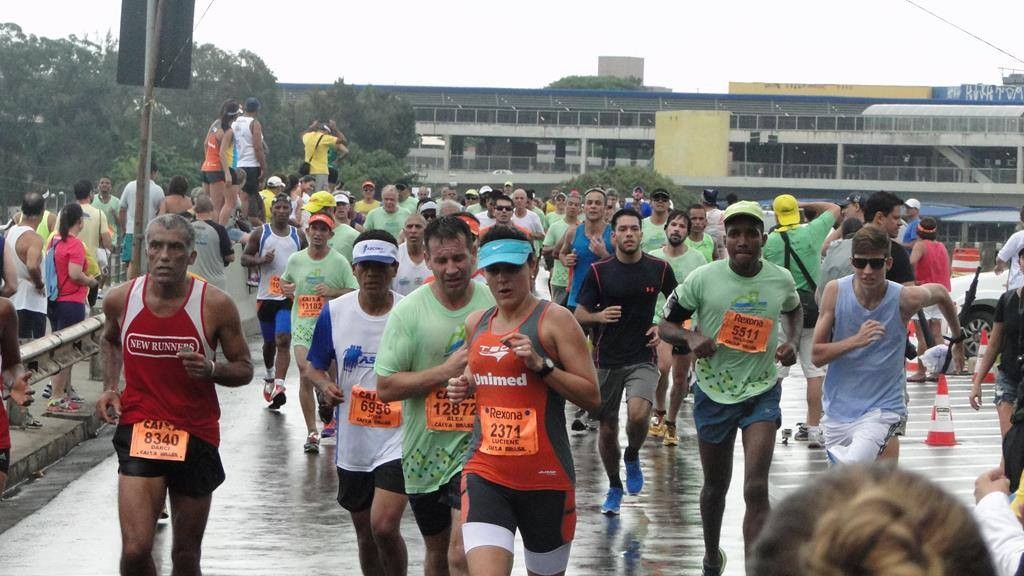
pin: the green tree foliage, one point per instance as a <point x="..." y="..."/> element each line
<point x="64" y="117"/>
<point x="378" y="165"/>
<point x="624" y="178"/>
<point x="597" y="83"/>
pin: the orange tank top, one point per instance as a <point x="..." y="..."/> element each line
<point x="211" y="158"/>
<point x="519" y="437"/>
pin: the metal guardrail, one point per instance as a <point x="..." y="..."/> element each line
<point x="54" y="352"/>
<point x="886" y="173"/>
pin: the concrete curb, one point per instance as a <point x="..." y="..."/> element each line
<point x="54" y="449"/>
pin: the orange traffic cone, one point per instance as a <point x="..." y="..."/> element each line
<point x="941" y="431"/>
<point x="912" y="365"/>
<point x="982" y="347"/>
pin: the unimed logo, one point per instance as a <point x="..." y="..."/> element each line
<point x="152" y="346"/>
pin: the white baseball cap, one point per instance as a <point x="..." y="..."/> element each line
<point x="913" y="203"/>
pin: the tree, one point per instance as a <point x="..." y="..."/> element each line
<point x="597" y="83"/>
<point x="378" y="165"/>
<point x="624" y="178"/>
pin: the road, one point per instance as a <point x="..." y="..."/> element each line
<point x="276" y="513"/>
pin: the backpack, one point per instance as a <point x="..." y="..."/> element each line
<point x="50" y="272"/>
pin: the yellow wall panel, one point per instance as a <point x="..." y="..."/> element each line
<point x="692" y="143"/>
<point x="839" y="90"/>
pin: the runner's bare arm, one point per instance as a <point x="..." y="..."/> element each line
<point x="250" y="256"/>
<point x="671" y="331"/>
<point x="12" y="370"/>
<point x="577" y="380"/>
<point x="985" y="363"/>
<point x="793" y="324"/>
<point x="914" y="298"/>
<point x="916" y="253"/>
<point x="221" y="315"/>
<point x="402" y="385"/>
<point x="108" y="406"/>
<point x="825" y="350"/>
<point x="564" y="248"/>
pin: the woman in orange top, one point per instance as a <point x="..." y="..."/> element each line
<point x="526" y="358"/>
<point x="218" y="173"/>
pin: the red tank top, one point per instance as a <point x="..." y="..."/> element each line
<point x="933" y="267"/>
<point x="519" y="438"/>
<point x="211" y="158"/>
<point x="156" y="384"/>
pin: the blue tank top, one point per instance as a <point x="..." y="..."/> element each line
<point x="871" y="377"/>
<point x="584" y="258"/>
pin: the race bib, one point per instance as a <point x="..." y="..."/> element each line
<point x="310" y="305"/>
<point x="274" y="286"/>
<point x="508" y="431"/>
<point x="158" y="440"/>
<point x="365" y="409"/>
<point x="744" y="332"/>
<point x="445" y="416"/>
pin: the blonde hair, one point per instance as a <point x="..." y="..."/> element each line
<point x="871" y="520"/>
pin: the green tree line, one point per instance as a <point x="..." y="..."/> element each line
<point x="63" y="116"/>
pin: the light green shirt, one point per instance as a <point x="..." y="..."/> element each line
<point x="378" y="219"/>
<point x="806" y="241"/>
<point x="682" y="265"/>
<point x="476" y="208"/>
<point x="409" y="204"/>
<point x="111" y="209"/>
<point x="343" y="240"/>
<point x="654" y="235"/>
<point x="420" y="334"/>
<point x="332" y="270"/>
<point x="543" y="217"/>
<point x="732" y="376"/>
<point x="706" y="246"/>
<point x="559" y="274"/>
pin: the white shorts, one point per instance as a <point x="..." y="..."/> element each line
<point x="932" y="312"/>
<point x="804" y="357"/>
<point x="861" y="440"/>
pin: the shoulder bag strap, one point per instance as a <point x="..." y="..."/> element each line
<point x="315" y="146"/>
<point x="803" y="270"/>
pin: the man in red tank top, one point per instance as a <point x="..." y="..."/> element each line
<point x="930" y="260"/>
<point x="163" y="330"/>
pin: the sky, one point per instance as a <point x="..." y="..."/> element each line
<point x="688" y="46"/>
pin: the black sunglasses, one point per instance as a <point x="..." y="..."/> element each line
<point x="860" y="263"/>
<point x="504" y="268"/>
<point x="503" y="208"/>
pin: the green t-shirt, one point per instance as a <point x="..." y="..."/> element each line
<point x="706" y="246"/>
<point x="806" y="241"/>
<point x="343" y="239"/>
<point x="681" y="266"/>
<point x="409" y="204"/>
<point x="553" y="217"/>
<point x="654" y="235"/>
<point x="476" y="208"/>
<point x="543" y="217"/>
<point x="378" y="219"/>
<point x="732" y="376"/>
<point x="421" y="334"/>
<point x="332" y="270"/>
<point x="559" y="274"/>
<point x="111" y="210"/>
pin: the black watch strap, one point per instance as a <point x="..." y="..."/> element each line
<point x="546" y="368"/>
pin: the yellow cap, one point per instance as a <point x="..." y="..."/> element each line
<point x="787" y="211"/>
<point x="320" y="200"/>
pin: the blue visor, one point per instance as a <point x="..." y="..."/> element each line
<point x="506" y="251"/>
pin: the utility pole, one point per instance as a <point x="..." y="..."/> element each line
<point x="154" y="9"/>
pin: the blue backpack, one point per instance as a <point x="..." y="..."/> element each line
<point x="50" y="272"/>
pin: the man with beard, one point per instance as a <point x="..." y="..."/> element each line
<point x="618" y="298"/>
<point x="559" y="275"/>
<point x="673" y="359"/>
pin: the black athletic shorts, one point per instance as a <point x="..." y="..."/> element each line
<point x="355" y="489"/>
<point x="546" y="518"/>
<point x="214" y="176"/>
<point x="266" y="310"/>
<point x="433" y="510"/>
<point x="252" y="181"/>
<point x="31" y="324"/>
<point x="198" y="476"/>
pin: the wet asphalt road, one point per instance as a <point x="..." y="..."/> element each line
<point x="276" y="513"/>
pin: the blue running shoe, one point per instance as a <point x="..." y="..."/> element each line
<point x="634" y="477"/>
<point x="612" y="502"/>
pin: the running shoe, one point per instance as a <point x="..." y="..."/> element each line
<point x="312" y="445"/>
<point x="657" y="428"/>
<point x="815" y="437"/>
<point x="634" y="477"/>
<point x="801" y="432"/>
<point x="329" y="429"/>
<point x="715" y="570"/>
<point x="273" y="392"/>
<point x="253" y="280"/>
<point x="74" y="396"/>
<point x="671" y="439"/>
<point x="62" y="406"/>
<point x="612" y="502"/>
<point x="47" y="391"/>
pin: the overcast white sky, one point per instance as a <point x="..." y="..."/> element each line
<point x="696" y="45"/>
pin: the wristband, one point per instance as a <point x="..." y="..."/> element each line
<point x="213" y="368"/>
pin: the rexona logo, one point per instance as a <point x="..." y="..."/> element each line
<point x="152" y="346"/>
<point x="492" y="380"/>
<point x="496" y="352"/>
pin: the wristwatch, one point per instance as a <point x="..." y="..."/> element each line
<point x="547" y="367"/>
